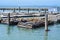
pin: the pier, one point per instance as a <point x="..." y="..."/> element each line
<point x="26" y="9"/>
<point x="36" y="22"/>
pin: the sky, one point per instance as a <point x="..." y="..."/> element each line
<point x="29" y="2"/>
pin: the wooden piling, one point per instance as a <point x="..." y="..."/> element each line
<point x="46" y="22"/>
<point x="19" y="9"/>
<point x="28" y="10"/>
<point x="58" y="9"/>
<point x="9" y="18"/>
<point x="39" y="10"/>
<point x="14" y="10"/>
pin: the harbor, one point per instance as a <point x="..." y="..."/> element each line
<point x="29" y="19"/>
<point x="29" y="25"/>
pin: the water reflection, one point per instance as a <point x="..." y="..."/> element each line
<point x="46" y="35"/>
<point x="9" y="28"/>
<point x="25" y="29"/>
<point x="18" y="33"/>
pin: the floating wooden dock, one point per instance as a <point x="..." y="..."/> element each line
<point x="31" y="25"/>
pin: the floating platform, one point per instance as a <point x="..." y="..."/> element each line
<point x="33" y="25"/>
<point x="25" y="25"/>
<point x="58" y="21"/>
<point x="13" y="22"/>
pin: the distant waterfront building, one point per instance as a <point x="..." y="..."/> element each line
<point x="58" y="9"/>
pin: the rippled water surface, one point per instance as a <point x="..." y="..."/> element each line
<point x="17" y="33"/>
